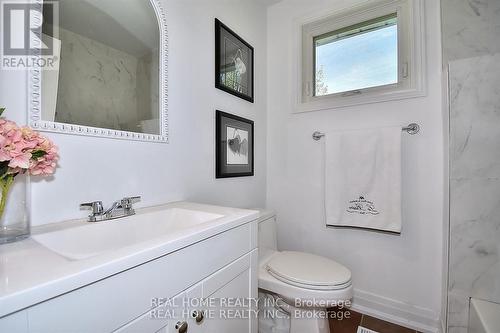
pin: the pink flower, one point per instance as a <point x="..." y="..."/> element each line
<point x="19" y="160"/>
<point x="14" y="135"/>
<point x="45" y="165"/>
<point x="3" y="141"/>
<point x="4" y="155"/>
<point x="7" y="126"/>
<point x="26" y="150"/>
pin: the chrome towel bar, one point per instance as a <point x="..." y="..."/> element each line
<point x="412" y="129"/>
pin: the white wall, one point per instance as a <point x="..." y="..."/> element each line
<point x="398" y="275"/>
<point x="470" y="28"/>
<point x="471" y="51"/>
<point x="108" y="169"/>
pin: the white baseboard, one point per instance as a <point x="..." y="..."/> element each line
<point x="420" y="319"/>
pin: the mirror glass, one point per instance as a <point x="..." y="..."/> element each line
<point x="109" y="70"/>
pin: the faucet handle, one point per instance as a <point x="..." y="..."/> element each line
<point x="127" y="202"/>
<point x="96" y="206"/>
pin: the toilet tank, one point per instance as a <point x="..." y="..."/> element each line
<point x="267" y="234"/>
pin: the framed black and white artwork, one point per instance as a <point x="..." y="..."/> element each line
<point x="234" y="64"/>
<point x="234" y="141"/>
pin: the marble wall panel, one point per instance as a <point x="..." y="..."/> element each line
<point x="474" y="260"/>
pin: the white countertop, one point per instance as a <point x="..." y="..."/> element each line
<point x="30" y="273"/>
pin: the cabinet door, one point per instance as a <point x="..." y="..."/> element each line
<point x="161" y="319"/>
<point x="194" y="309"/>
<point x="232" y="293"/>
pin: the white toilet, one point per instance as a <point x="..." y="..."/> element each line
<point x="315" y="282"/>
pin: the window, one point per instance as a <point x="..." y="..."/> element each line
<point x="367" y="54"/>
<point x="357" y="57"/>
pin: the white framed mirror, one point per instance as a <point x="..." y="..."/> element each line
<point x="111" y="79"/>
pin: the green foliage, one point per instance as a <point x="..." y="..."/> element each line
<point x="2" y="111"/>
<point x="4" y="167"/>
<point x="321" y="79"/>
<point x="38" y="154"/>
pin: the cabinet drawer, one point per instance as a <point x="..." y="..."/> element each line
<point x="225" y="275"/>
<point x="15" y="323"/>
<point x="110" y="303"/>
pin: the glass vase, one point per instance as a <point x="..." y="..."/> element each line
<point x="14" y="208"/>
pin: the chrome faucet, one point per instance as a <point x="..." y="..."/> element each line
<point x="120" y="208"/>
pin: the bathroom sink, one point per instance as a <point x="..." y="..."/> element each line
<point x="90" y="239"/>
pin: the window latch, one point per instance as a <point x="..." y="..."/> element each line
<point x="351" y="93"/>
<point x="405" y="70"/>
<point x="308" y="89"/>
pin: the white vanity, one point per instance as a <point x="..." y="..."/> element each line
<point x="143" y="273"/>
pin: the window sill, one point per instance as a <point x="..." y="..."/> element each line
<point x="336" y="102"/>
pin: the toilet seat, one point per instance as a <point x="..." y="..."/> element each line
<point x="308" y="271"/>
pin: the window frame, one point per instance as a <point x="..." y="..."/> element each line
<point x="411" y="66"/>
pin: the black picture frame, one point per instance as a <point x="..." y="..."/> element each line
<point x="231" y="81"/>
<point x="233" y="159"/>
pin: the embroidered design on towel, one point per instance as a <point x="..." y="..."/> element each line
<point x="362" y="206"/>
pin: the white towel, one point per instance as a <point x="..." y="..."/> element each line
<point x="363" y="179"/>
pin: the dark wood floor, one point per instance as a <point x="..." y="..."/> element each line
<point x="347" y="321"/>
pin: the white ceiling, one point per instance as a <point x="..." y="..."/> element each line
<point x="268" y="2"/>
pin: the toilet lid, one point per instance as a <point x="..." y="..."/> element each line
<point x="308" y="269"/>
